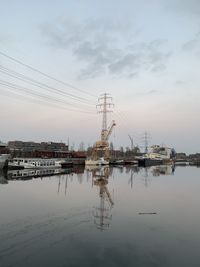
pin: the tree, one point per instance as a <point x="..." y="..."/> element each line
<point x="111" y="146"/>
<point x="81" y="146"/>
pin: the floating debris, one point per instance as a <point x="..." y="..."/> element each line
<point x="147" y="213"/>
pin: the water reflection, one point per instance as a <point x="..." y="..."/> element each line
<point x="102" y="213"/>
<point x="73" y="219"/>
<point x="97" y="173"/>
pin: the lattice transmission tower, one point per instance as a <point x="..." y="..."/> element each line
<point x="105" y="106"/>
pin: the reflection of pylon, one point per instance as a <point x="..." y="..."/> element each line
<point x="101" y="214"/>
<point x="146" y="175"/>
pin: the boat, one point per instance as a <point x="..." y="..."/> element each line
<point x="158" y="155"/>
<point x="100" y="161"/>
<point x="4" y="155"/>
<point x="34" y="163"/>
<point x="149" y="161"/>
<point x="65" y="163"/>
<point x="181" y="163"/>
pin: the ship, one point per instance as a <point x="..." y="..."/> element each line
<point x="36" y="163"/>
<point x="158" y="155"/>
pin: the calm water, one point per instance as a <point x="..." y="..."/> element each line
<point x="109" y="217"/>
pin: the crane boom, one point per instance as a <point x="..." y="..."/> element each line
<point x="107" y="134"/>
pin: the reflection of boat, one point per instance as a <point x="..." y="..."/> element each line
<point x="181" y="163"/>
<point x="117" y="162"/>
<point x="91" y="168"/>
<point x="4" y="155"/>
<point x="100" y="161"/>
<point x="163" y="170"/>
<point x="33" y="173"/>
<point x="33" y="163"/>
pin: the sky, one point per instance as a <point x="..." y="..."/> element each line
<point x="58" y="57"/>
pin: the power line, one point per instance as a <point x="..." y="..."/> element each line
<point x="38" y="101"/>
<point x="33" y="82"/>
<point x="46" y="98"/>
<point x="46" y="75"/>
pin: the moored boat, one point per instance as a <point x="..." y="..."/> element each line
<point x="100" y="161"/>
<point x="145" y="162"/>
<point x="33" y="163"/>
<point x="158" y="155"/>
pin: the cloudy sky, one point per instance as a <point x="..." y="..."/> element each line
<point x="57" y="57"/>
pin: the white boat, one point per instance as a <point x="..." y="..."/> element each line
<point x="97" y="162"/>
<point x="33" y="163"/>
<point x="4" y="155"/>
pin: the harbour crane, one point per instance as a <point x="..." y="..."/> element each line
<point x="103" y="144"/>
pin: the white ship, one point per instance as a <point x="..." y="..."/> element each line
<point x="4" y="155"/>
<point x="34" y="163"/>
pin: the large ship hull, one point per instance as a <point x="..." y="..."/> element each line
<point x="146" y="162"/>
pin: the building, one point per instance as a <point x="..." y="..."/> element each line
<point x="33" y="146"/>
<point x="38" y="150"/>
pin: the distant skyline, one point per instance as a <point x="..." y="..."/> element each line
<point x="146" y="54"/>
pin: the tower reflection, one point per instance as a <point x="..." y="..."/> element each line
<point x="102" y="213"/>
